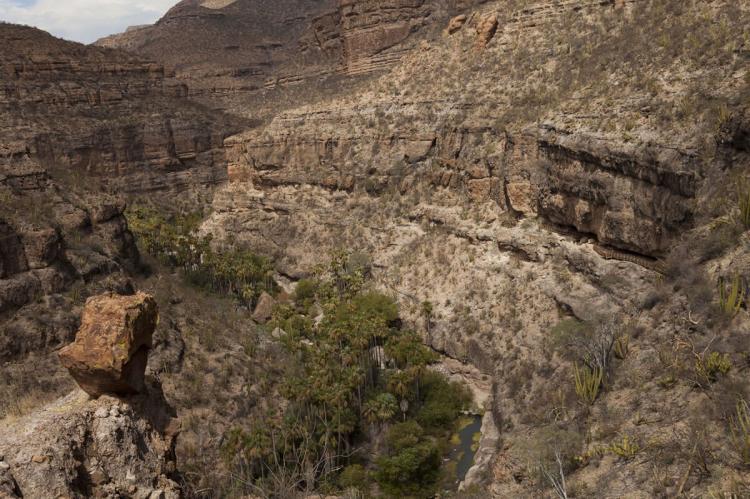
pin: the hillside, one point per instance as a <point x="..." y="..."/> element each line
<point x="81" y="128"/>
<point x="248" y="56"/>
<point x="545" y="171"/>
<point x="369" y="225"/>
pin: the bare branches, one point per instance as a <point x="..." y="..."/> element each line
<point x="595" y="346"/>
<point x="292" y="469"/>
<point x="556" y="478"/>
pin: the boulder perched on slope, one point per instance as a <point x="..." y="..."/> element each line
<point x="111" y="348"/>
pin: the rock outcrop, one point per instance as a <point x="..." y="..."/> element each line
<point x="77" y="447"/>
<point x="486" y="30"/>
<point x="111" y="348"/>
<point x="456" y="23"/>
<point x="106" y="446"/>
<point x="264" y="309"/>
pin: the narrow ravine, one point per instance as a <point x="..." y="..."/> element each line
<point x="475" y="442"/>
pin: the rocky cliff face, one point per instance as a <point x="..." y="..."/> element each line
<point x="523" y="170"/>
<point x="104" y="114"/>
<point x="241" y="48"/>
<point x="77" y="123"/>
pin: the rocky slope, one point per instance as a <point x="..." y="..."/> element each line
<point x="519" y="169"/>
<point x="77" y="447"/>
<point x="539" y="164"/>
<point x="239" y="50"/>
<point x="103" y="446"/>
<point x="79" y="127"/>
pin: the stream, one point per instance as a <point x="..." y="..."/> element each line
<point x="466" y="443"/>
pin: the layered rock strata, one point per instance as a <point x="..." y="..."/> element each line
<point x="244" y="47"/>
<point x="103" y="114"/>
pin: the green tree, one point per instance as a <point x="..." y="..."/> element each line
<point x="380" y="409"/>
<point x="412" y="466"/>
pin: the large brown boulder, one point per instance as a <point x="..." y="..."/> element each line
<point x="264" y="309"/>
<point x="486" y="30"/>
<point x="111" y="348"/>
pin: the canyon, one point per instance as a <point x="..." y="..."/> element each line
<point x="508" y="169"/>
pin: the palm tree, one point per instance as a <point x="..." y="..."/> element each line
<point x="386" y="407"/>
<point x="398" y="384"/>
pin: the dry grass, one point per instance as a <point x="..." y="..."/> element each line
<point x="16" y="406"/>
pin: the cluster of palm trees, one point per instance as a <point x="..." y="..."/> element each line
<point x="354" y="369"/>
<point x="176" y="242"/>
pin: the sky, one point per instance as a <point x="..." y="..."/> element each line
<point x="83" y="20"/>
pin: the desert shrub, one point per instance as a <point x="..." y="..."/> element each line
<point x="408" y="349"/>
<point x="375" y="304"/>
<point x="740" y="428"/>
<point x="402" y="435"/>
<point x="588" y="383"/>
<point x="731" y="295"/>
<point x="622" y="346"/>
<point x="625" y="448"/>
<point x="709" y="366"/>
<point x="304" y="293"/>
<point x="353" y="476"/>
<point x="359" y="262"/>
<point x="565" y="329"/>
<point x="588" y="342"/>
<point x="723" y="235"/>
<point x="550" y="454"/>
<point x="743" y="202"/>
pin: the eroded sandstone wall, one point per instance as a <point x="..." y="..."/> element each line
<point x="104" y="114"/>
<point x="240" y="49"/>
<point x="490" y="175"/>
